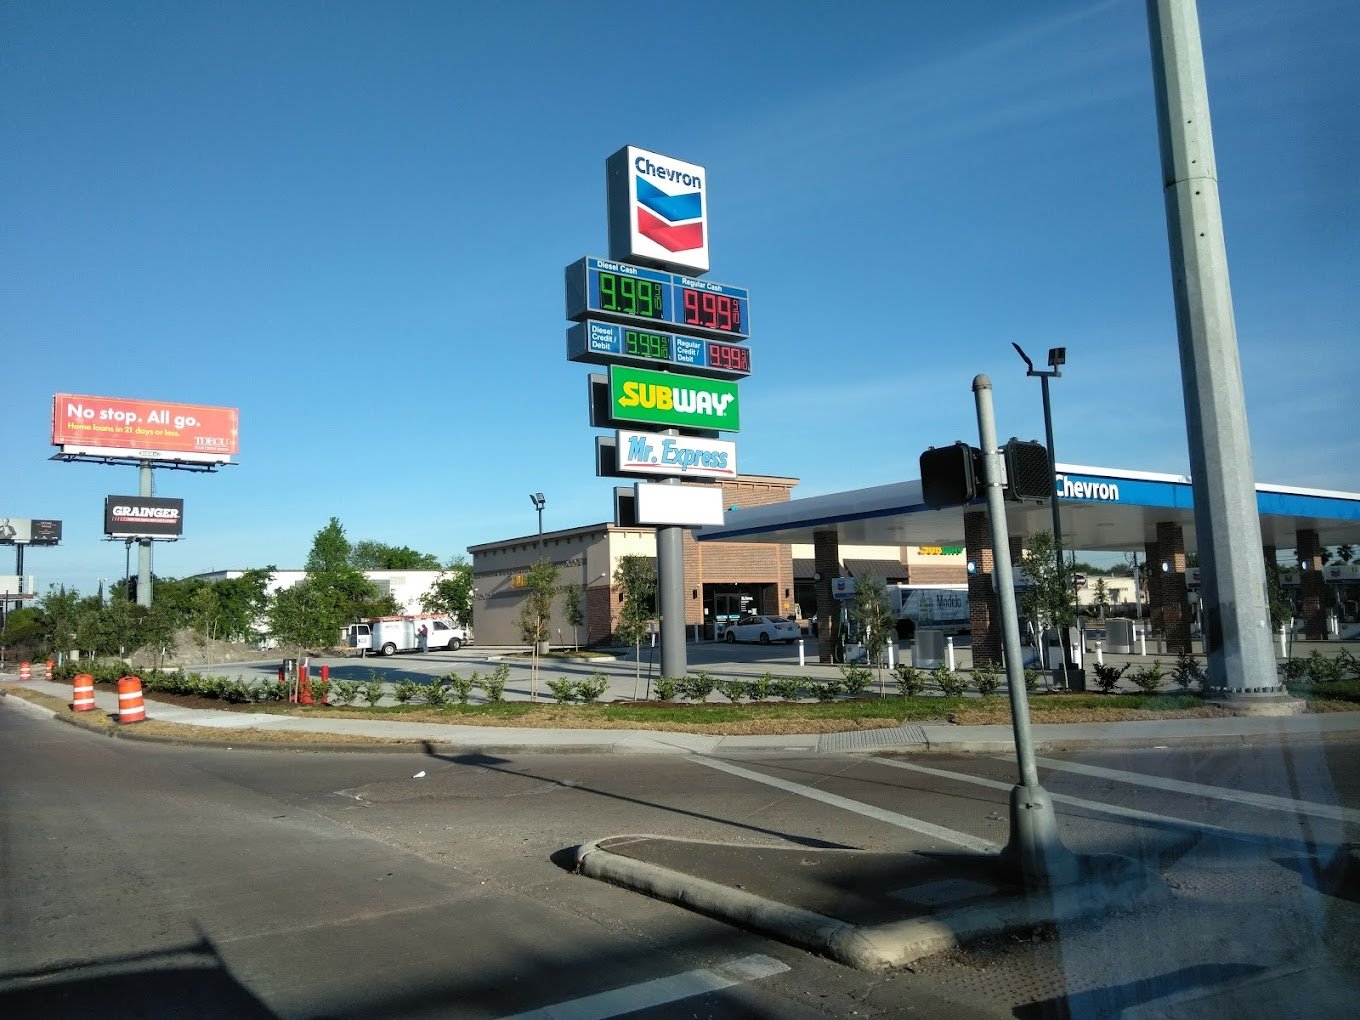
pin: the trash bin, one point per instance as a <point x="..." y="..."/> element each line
<point x="927" y="651"/>
<point x="1119" y="636"/>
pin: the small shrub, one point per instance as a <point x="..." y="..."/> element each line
<point x="759" y="689"/>
<point x="1322" y="670"/>
<point x="1107" y="676"/>
<point x="493" y="684"/>
<point x="987" y="680"/>
<point x="590" y="690"/>
<point x="825" y="690"/>
<point x="1294" y="669"/>
<point x="405" y="691"/>
<point x="732" y="690"/>
<point x="855" y="680"/>
<point x="321" y="690"/>
<point x="563" y="689"/>
<point x="435" y="693"/>
<point x="697" y="686"/>
<point x="1031" y="681"/>
<point x="347" y="691"/>
<point x="666" y="687"/>
<point x="790" y="688"/>
<point x="237" y="692"/>
<point x="460" y="687"/>
<point x="951" y="683"/>
<point x="1187" y="672"/>
<point x="1150" y="678"/>
<point x="373" y="691"/>
<point x="911" y="681"/>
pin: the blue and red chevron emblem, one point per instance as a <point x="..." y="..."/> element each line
<point x="673" y="221"/>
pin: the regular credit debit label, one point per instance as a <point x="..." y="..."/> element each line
<point x="651" y="453"/>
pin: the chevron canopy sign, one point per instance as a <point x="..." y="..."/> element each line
<point x="658" y="211"/>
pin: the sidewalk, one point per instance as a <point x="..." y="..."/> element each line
<point x="910" y="737"/>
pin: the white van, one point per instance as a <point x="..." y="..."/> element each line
<point x="388" y="635"/>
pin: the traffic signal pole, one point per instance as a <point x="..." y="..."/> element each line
<point x="1035" y="847"/>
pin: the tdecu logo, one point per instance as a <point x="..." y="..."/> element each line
<point x="673" y="219"/>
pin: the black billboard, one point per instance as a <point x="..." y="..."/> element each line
<point x="143" y="517"/>
<point x="22" y="531"/>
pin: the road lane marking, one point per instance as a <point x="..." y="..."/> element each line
<point x="1094" y="805"/>
<point x="658" y="992"/>
<point x="1261" y="800"/>
<point x="925" y="828"/>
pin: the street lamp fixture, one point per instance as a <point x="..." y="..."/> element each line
<point x="1057" y="357"/>
<point x="539" y="501"/>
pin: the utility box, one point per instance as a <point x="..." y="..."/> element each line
<point x="927" y="651"/>
<point x="1119" y="636"/>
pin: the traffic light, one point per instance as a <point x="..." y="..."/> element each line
<point x="1029" y="474"/>
<point x="951" y="475"/>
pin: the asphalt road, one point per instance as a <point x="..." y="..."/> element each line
<point x="139" y="877"/>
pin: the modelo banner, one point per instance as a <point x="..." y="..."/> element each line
<point x="143" y="428"/>
<point x="668" y="398"/>
<point x="143" y="517"/>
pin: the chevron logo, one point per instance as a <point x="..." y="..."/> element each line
<point x="673" y="221"/>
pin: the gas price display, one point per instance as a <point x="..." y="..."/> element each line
<point x="619" y="291"/>
<point x="607" y="343"/>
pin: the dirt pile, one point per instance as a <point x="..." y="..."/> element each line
<point x="192" y="650"/>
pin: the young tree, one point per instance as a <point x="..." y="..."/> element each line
<point x="872" y="614"/>
<point x="635" y="578"/>
<point x="571" y="609"/>
<point x="1048" y="599"/>
<point x="536" y="611"/>
<point x="1100" y="597"/>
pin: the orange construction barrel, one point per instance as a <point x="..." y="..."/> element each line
<point x="25" y="671"/>
<point x="50" y="666"/>
<point x="130" y="707"/>
<point x="82" y="693"/>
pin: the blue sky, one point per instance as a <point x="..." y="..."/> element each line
<point x="350" y="221"/>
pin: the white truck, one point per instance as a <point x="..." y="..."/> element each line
<point x="933" y="606"/>
<point x="388" y="635"/>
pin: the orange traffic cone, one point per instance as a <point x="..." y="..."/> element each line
<point x="82" y="693"/>
<point x="130" y="707"/>
<point x="25" y="671"/>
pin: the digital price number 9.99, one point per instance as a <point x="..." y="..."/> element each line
<point x="711" y="311"/>
<point x="729" y="358"/>
<point x="640" y="344"/>
<point x="629" y="295"/>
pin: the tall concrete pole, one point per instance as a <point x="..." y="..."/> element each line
<point x="1227" y="528"/>
<point x="145" y="488"/>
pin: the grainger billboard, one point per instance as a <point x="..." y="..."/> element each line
<point x="143" y="517"/>
<point x="146" y="429"/>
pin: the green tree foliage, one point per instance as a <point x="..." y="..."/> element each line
<point x="1049" y="597"/>
<point x="312" y="612"/>
<point x="536" y="610"/>
<point x="871" y="613"/>
<point x="451" y="593"/>
<point x="370" y="555"/>
<point x="635" y="579"/>
<point x="1100" y="597"/>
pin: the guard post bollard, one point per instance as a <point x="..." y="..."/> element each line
<point x="949" y="651"/>
<point x="131" y="709"/>
<point x="82" y="693"/>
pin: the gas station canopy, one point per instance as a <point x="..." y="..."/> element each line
<point x="1101" y="509"/>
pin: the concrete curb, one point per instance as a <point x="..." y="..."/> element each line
<point x="1112" y="883"/>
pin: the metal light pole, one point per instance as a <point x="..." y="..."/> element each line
<point x="1035" y="847"/>
<point x="1057" y="357"/>
<point x="539" y="501"/>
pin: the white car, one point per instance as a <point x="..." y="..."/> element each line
<point x="763" y="629"/>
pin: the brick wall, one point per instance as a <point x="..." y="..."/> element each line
<point x="983" y="612"/>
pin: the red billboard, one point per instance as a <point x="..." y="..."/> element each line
<point x="143" y="428"/>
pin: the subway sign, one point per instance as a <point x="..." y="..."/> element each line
<point x="673" y="400"/>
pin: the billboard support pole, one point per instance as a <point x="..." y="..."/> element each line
<point x="145" y="488"/>
<point x="670" y="569"/>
